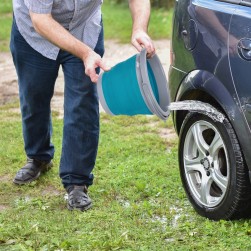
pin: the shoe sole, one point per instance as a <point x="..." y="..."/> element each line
<point x="79" y="208"/>
<point x="21" y="182"/>
<point x="44" y="170"/>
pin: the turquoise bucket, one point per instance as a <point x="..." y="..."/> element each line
<point x="135" y="86"/>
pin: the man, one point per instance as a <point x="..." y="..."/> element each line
<point x="47" y="34"/>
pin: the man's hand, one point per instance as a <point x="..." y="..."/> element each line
<point x="92" y="61"/>
<point x="140" y="11"/>
<point x="50" y="29"/>
<point x="140" y="39"/>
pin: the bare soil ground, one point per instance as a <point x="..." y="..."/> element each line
<point x="115" y="53"/>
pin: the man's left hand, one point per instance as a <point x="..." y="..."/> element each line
<point x="140" y="39"/>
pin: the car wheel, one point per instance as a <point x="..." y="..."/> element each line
<point x="212" y="168"/>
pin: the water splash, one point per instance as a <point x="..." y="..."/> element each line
<point x="198" y="106"/>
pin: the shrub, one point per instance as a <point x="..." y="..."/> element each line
<point x="167" y="4"/>
<point x="156" y="3"/>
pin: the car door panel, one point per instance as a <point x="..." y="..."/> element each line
<point x="240" y="56"/>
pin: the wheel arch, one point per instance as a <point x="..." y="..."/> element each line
<point x="193" y="94"/>
<point x="204" y="86"/>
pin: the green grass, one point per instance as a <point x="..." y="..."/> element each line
<point x="117" y="22"/>
<point x="139" y="203"/>
<point x="5" y="23"/>
<point x="5" y="6"/>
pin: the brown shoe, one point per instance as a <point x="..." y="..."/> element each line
<point x="31" y="171"/>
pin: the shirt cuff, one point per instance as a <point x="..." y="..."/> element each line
<point x="39" y="6"/>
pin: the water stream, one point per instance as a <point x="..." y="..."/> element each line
<point x="197" y="106"/>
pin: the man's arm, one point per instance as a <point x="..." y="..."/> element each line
<point x="140" y="11"/>
<point x="50" y="29"/>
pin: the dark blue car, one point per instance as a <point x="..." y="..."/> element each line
<point x="211" y="63"/>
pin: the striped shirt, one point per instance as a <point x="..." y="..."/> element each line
<point x="82" y="18"/>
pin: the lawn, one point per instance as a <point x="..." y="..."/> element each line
<point x="138" y="200"/>
<point x="5" y="24"/>
<point x="139" y="203"/>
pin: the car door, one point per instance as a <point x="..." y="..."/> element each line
<point x="210" y="46"/>
<point x="240" y="55"/>
<point x="202" y="33"/>
<point x="208" y="43"/>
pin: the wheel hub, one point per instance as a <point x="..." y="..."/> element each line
<point x="205" y="163"/>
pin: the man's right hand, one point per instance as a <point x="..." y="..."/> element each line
<point x="92" y="61"/>
<point x="50" y="29"/>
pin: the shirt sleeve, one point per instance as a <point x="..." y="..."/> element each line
<point x="39" y="6"/>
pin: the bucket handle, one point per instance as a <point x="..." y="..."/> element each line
<point x="147" y="89"/>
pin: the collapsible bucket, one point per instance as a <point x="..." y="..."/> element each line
<point x="135" y="86"/>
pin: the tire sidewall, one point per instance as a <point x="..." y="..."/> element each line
<point x="226" y="206"/>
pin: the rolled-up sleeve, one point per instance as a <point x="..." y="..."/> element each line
<point x="39" y="6"/>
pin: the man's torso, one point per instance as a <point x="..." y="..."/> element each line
<point x="82" y="18"/>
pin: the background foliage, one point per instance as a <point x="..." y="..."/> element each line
<point x="167" y="4"/>
<point x="162" y="3"/>
<point x="116" y="17"/>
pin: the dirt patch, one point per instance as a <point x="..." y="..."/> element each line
<point x="51" y="191"/>
<point x="3" y="207"/>
<point x="114" y="53"/>
<point x="8" y="79"/>
<point x="5" y="178"/>
<point x="167" y="133"/>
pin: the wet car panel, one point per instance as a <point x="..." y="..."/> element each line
<point x="210" y="57"/>
<point x="240" y="57"/>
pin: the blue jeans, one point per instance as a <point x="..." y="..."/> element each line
<point x="36" y="78"/>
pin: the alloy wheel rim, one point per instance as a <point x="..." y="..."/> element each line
<point x="206" y="163"/>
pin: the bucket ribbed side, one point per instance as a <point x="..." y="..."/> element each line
<point x="121" y="90"/>
<point x="145" y="79"/>
<point x="101" y="95"/>
<point x="135" y="86"/>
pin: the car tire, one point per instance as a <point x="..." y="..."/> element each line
<point x="212" y="168"/>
